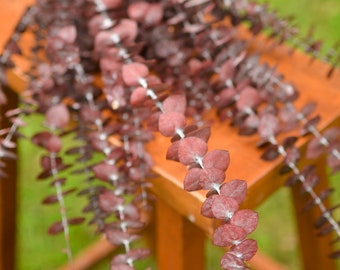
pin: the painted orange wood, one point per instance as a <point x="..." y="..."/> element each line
<point x="8" y="201"/>
<point x="180" y="243"/>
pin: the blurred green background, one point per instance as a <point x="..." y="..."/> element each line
<point x="37" y="250"/>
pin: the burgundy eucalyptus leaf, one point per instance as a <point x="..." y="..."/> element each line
<point x="3" y="98"/>
<point x="118" y="237"/>
<point x="130" y="211"/>
<point x="250" y="125"/>
<point x="308" y="109"/>
<point x="322" y="220"/>
<point x="236" y="189"/>
<point x="121" y="267"/>
<point x="245" y="250"/>
<point x="112" y="4"/>
<point x="106" y="172"/>
<point x="126" y="30"/>
<point x="138" y="96"/>
<point x="172" y="152"/>
<point x="269" y="126"/>
<point x="188" y="129"/>
<point x="109" y="202"/>
<point x="5" y="154"/>
<point x="68" y="33"/>
<point x="54" y="144"/>
<point x="137" y="10"/>
<point x="311" y="180"/>
<point x="270" y="153"/>
<point x="48" y="172"/>
<point x="206" y="209"/>
<point x="192" y="179"/>
<point x="18" y="122"/>
<point x="289" y="117"/>
<point x="59" y="181"/>
<point x="289" y="142"/>
<point x="315" y="148"/>
<point x="228" y="235"/>
<point x="327" y="229"/>
<point x="201" y="133"/>
<point x="54" y="198"/>
<point x="134" y="72"/>
<point x="248" y="100"/>
<point x="293" y="155"/>
<point x="226" y="71"/>
<point x="56" y="228"/>
<point x="287" y="92"/>
<point x="331" y="133"/>
<point x="211" y="178"/>
<point x="226" y="98"/>
<point x="334" y="255"/>
<point x="75" y="221"/>
<point x="246" y="219"/>
<point x="324" y="194"/>
<point x="224" y="207"/>
<point x="229" y="261"/>
<point x="175" y="103"/>
<point x="191" y="150"/>
<point x="218" y="159"/>
<point x="170" y="122"/>
<point x="48" y="141"/>
<point x="292" y="180"/>
<point x="177" y="18"/>
<point x="333" y="161"/>
<point x="311" y="124"/>
<point x="7" y="144"/>
<point x="153" y="15"/>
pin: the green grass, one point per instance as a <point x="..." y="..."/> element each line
<point x="37" y="250"/>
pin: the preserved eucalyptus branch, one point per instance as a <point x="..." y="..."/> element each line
<point x="161" y="65"/>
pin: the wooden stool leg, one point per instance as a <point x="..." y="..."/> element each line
<point x="180" y="244"/>
<point x="8" y="200"/>
<point x="314" y="249"/>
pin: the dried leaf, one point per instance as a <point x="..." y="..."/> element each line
<point x="191" y="150"/>
<point x="249" y="99"/>
<point x="109" y="202"/>
<point x="224" y="207"/>
<point x="228" y="235"/>
<point x="202" y="133"/>
<point x="211" y="178"/>
<point x="206" y="206"/>
<point x="192" y="179"/>
<point x="68" y="33"/>
<point x="133" y="72"/>
<point x="246" y="219"/>
<point x="270" y="153"/>
<point x="54" y="198"/>
<point x="269" y="126"/>
<point x="138" y="96"/>
<point x="218" y="159"/>
<point x="231" y="262"/>
<point x="121" y="267"/>
<point x="175" y="103"/>
<point x="118" y="237"/>
<point x="245" y="250"/>
<point x="106" y="172"/>
<point x="169" y="122"/>
<point x="236" y="189"/>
